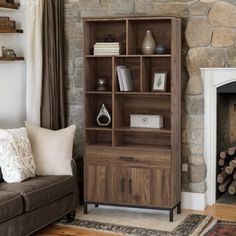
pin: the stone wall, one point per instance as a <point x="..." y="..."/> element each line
<point x="209" y="34"/>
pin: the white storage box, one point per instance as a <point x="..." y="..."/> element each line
<point x="146" y="121"/>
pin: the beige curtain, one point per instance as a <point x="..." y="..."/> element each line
<point x="33" y="30"/>
<point x="53" y="114"/>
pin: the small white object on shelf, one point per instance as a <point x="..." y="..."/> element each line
<point x="146" y="121"/>
<point x="103" y="113"/>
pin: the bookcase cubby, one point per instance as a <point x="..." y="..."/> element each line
<point x="93" y="106"/>
<point x="161" y="31"/>
<point x="133" y="63"/>
<point x="99" y="137"/>
<point x="150" y="65"/>
<point x="96" y="31"/>
<point x="146" y="104"/>
<point x="98" y="67"/>
<point x="124" y="165"/>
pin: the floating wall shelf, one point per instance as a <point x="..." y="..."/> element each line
<point x="11" y="58"/>
<point x="11" y="31"/>
<point x="9" y="5"/>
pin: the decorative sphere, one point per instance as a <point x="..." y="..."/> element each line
<point x="102" y="84"/>
<point x="160" y="49"/>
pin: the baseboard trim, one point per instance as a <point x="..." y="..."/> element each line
<point x="193" y="201"/>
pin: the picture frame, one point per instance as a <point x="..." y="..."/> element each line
<point x="159" y="81"/>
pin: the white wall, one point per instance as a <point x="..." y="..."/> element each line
<point x="12" y="76"/>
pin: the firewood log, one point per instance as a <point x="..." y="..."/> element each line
<point x="222" y="177"/>
<point x="225" y="161"/>
<point x="223" y="154"/>
<point x="232" y="150"/>
<point x="222" y="187"/>
<point x="234" y="175"/>
<point x="232" y="187"/>
<point x="230" y="169"/>
<point x="221" y="162"/>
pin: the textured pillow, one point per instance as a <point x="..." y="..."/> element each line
<point x="52" y="150"/>
<point x="16" y="159"/>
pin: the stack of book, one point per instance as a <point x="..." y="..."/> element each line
<point x="124" y="78"/>
<point x="107" y="48"/>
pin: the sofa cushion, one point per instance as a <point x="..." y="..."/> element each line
<point x="16" y="159"/>
<point x="39" y="191"/>
<point x="11" y="205"/>
<point x="52" y="149"/>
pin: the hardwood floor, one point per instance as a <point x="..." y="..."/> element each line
<point x="55" y="230"/>
<point x="218" y="211"/>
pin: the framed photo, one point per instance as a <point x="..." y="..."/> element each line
<point x="159" y="81"/>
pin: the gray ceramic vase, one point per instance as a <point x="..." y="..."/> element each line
<point x="149" y="44"/>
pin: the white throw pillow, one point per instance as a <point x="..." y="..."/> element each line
<point x="52" y="150"/>
<point x="16" y="159"/>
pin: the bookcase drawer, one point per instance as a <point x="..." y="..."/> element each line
<point x="129" y="158"/>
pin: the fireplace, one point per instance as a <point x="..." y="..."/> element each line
<point x="226" y="144"/>
<point x="219" y="90"/>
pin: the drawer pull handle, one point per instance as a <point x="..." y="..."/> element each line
<point x="127" y="158"/>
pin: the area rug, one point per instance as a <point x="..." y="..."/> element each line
<point x="138" y="222"/>
<point x="220" y="228"/>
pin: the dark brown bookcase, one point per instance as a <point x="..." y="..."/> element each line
<point x="124" y="166"/>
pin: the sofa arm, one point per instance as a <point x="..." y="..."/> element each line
<point x="75" y="176"/>
<point x="74" y="168"/>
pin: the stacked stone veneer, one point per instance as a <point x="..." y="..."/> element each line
<point x="208" y="40"/>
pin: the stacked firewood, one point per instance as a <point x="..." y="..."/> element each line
<point x="227" y="176"/>
<point x="6" y="24"/>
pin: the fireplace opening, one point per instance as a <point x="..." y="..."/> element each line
<point x="226" y="144"/>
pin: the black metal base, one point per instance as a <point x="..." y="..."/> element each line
<point x="179" y="208"/>
<point x="171" y="210"/>
<point x="71" y="216"/>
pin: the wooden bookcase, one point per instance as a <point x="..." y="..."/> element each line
<point x="135" y="167"/>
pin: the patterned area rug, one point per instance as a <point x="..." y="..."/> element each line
<point x="135" y="222"/>
<point x="220" y="228"/>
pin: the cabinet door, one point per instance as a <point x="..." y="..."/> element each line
<point x="117" y="184"/>
<point x="161" y="187"/>
<point x="95" y="184"/>
<point x="106" y="184"/>
<point x="139" y="186"/>
<point x="149" y="186"/>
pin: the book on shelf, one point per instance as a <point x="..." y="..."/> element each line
<point x="118" y="69"/>
<point x="124" y="78"/>
<point x="107" y="48"/>
<point x="113" y="44"/>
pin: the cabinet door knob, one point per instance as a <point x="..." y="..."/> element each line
<point x="127" y="158"/>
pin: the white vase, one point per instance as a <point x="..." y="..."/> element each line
<point x="149" y="44"/>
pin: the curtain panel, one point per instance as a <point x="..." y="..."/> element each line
<point x="33" y="30"/>
<point x="53" y="112"/>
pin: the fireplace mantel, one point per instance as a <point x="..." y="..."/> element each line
<point x="212" y="79"/>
